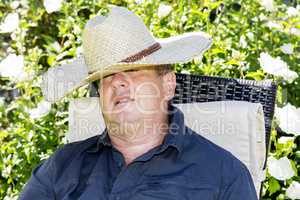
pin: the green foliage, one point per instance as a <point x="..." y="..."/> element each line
<point x="240" y="33"/>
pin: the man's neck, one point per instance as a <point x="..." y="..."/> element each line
<point x="137" y="139"/>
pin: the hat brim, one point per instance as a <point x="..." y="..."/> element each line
<point x="59" y="81"/>
<point x="177" y="49"/>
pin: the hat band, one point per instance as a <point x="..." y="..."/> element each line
<point x="149" y="50"/>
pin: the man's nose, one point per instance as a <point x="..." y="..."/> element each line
<point x="120" y="80"/>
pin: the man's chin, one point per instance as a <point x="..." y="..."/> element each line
<point x="125" y="117"/>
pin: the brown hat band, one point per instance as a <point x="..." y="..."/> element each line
<point x="149" y="50"/>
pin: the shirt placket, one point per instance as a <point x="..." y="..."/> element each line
<point x="125" y="179"/>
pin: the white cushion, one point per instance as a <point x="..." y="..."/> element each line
<point x="237" y="126"/>
<point x="85" y="119"/>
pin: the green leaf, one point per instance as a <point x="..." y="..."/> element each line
<point x="274" y="186"/>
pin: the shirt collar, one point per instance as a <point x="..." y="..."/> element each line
<point x="103" y="140"/>
<point x="176" y="131"/>
<point x="173" y="138"/>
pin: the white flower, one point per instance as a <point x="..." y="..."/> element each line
<point x="163" y="10"/>
<point x="250" y="35"/>
<point x="287" y="48"/>
<point x="268" y="5"/>
<point x="42" y="109"/>
<point x="262" y="17"/>
<point x="139" y="1"/>
<point x="52" y="5"/>
<point x="280" y="169"/>
<point x="293" y="191"/>
<point x="11" y="23"/>
<point x="2" y="100"/>
<point x="295" y="31"/>
<point x="243" y="43"/>
<point x="185" y="72"/>
<point x="274" y="25"/>
<point x="290" y="76"/>
<point x="285" y="139"/>
<point x="13" y="67"/>
<point x="291" y="11"/>
<point x="277" y="67"/>
<point x="15" y="4"/>
<point x="289" y="118"/>
<point x="183" y="18"/>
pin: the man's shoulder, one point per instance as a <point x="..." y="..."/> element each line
<point x="203" y="145"/>
<point x="78" y="146"/>
<point x="65" y="161"/>
<point x="211" y="153"/>
<point x="211" y="160"/>
<point x="69" y="151"/>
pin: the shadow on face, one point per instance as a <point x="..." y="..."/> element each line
<point x="136" y="95"/>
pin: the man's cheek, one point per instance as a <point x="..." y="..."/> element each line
<point x="148" y="89"/>
<point x="147" y="105"/>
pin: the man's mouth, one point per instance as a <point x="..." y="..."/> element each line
<point x="122" y="101"/>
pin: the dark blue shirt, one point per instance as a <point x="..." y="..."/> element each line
<point x="185" y="166"/>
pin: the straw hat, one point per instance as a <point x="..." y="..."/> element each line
<point x="118" y="42"/>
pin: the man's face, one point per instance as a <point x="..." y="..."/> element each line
<point x="135" y="95"/>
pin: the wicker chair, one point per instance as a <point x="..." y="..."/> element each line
<point x="195" y="88"/>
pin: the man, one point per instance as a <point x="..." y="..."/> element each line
<point x="146" y="152"/>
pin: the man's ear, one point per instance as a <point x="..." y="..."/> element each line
<point x="169" y="85"/>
